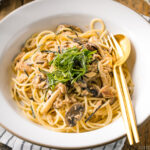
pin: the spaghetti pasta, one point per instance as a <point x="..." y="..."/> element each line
<point x="62" y="77"/>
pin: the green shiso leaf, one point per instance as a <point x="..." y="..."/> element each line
<point x="70" y="65"/>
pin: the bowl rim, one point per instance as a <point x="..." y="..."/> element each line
<point x="7" y="128"/>
<point x="63" y="148"/>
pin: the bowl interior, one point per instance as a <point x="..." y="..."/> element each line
<point x="50" y="23"/>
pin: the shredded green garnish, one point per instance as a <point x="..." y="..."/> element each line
<point x="69" y="66"/>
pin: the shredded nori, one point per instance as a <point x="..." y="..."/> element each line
<point x="58" y="49"/>
<point x="45" y="95"/>
<point x="47" y="51"/>
<point x="26" y="72"/>
<point x="93" y="113"/>
<point x="33" y="114"/>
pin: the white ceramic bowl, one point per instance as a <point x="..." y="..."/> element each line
<point x="46" y="14"/>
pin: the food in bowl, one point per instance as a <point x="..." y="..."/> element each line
<point x="64" y="80"/>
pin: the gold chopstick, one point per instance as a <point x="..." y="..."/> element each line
<point x="123" y="107"/>
<point x="129" y="105"/>
<point x="126" y="98"/>
<point x="121" y="96"/>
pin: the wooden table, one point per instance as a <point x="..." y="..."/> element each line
<point x="139" y="6"/>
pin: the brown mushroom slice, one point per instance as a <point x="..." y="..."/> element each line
<point x="94" y="90"/>
<point x="74" y="114"/>
<point x="108" y="92"/>
<point x="91" y="46"/>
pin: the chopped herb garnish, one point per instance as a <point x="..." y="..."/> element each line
<point x="70" y="65"/>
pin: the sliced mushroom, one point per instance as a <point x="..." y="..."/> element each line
<point x="91" y="46"/>
<point x="94" y="90"/>
<point x="108" y="92"/>
<point x="74" y="114"/>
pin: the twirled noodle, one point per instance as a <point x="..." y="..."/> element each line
<point x="95" y="89"/>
